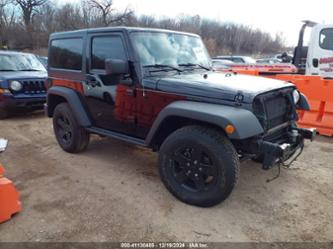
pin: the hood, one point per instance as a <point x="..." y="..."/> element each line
<point x="220" y="85"/>
<point x="23" y="75"/>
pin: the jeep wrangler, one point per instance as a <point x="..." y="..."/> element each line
<point x="156" y="88"/>
<point x="22" y="79"/>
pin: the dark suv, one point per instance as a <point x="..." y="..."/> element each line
<point x="156" y="88"/>
<point x="22" y="79"/>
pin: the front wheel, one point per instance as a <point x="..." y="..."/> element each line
<point x="199" y="165"/>
<point x="70" y="135"/>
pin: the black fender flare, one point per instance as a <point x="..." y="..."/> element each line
<point x="244" y="121"/>
<point x="74" y="101"/>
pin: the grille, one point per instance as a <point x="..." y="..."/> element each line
<point x="273" y="109"/>
<point x="33" y="86"/>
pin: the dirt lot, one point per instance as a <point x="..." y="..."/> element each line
<point x="112" y="192"/>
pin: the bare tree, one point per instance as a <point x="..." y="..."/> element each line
<point x="40" y="18"/>
<point x="69" y="17"/>
<point x="7" y="21"/>
<point x="104" y="8"/>
<point x="28" y="7"/>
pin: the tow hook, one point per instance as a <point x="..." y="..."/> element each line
<point x="310" y="133"/>
<point x="284" y="147"/>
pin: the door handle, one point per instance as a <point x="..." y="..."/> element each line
<point x="129" y="92"/>
<point x="315" y="62"/>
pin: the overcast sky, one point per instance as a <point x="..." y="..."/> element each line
<point x="271" y="16"/>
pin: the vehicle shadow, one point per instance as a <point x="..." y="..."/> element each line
<point x="22" y="115"/>
<point x="324" y="139"/>
<point x="144" y="162"/>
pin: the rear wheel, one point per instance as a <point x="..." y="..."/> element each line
<point x="199" y="165"/>
<point x="69" y="134"/>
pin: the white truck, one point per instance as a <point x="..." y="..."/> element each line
<point x="317" y="57"/>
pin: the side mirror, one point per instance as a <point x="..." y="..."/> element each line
<point x="116" y="67"/>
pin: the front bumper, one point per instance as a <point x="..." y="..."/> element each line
<point x="12" y="103"/>
<point x="279" y="152"/>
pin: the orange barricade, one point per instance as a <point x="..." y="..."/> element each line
<point x="320" y="95"/>
<point x="245" y="71"/>
<point x="264" y="68"/>
<point x="9" y="198"/>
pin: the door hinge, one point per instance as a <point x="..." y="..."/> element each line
<point x="239" y="97"/>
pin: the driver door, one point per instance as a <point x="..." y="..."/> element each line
<point x="103" y="92"/>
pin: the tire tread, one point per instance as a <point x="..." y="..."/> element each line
<point x="82" y="136"/>
<point x="217" y="141"/>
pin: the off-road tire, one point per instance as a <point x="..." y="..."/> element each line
<point x="79" y="137"/>
<point x="223" y="156"/>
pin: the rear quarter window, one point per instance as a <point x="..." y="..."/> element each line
<point x="66" y="54"/>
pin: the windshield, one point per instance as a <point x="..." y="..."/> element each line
<point x="20" y="62"/>
<point x="250" y="60"/>
<point x="170" y="49"/>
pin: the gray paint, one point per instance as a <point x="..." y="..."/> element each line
<point x="245" y="123"/>
<point x="219" y="86"/>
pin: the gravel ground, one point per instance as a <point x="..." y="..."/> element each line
<point x="112" y="192"/>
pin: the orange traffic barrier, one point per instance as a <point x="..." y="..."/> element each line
<point x="319" y="92"/>
<point x="246" y="71"/>
<point x="9" y="198"/>
<point x="264" y="68"/>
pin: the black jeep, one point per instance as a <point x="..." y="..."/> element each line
<point x="22" y="79"/>
<point x="156" y="88"/>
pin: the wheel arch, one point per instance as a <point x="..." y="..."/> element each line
<point x="58" y="94"/>
<point x="182" y="113"/>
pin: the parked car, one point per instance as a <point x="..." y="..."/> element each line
<point x="43" y="60"/>
<point x="221" y="65"/>
<point x="285" y="57"/>
<point x="168" y="98"/>
<point x="268" y="61"/>
<point x="22" y="79"/>
<point x="237" y="59"/>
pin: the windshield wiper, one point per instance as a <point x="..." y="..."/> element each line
<point x="164" y="67"/>
<point x="7" y="70"/>
<point x="193" y="65"/>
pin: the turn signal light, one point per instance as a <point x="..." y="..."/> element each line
<point x="4" y="90"/>
<point x="229" y="129"/>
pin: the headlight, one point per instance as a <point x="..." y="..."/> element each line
<point x="15" y="85"/>
<point x="296" y="96"/>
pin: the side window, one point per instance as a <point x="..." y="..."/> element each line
<point x="66" y="54"/>
<point x="238" y="60"/>
<point x="106" y="47"/>
<point x="326" y="39"/>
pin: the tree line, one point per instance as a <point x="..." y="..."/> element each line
<point x="27" y="24"/>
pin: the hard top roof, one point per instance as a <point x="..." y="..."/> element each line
<point x="81" y="32"/>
